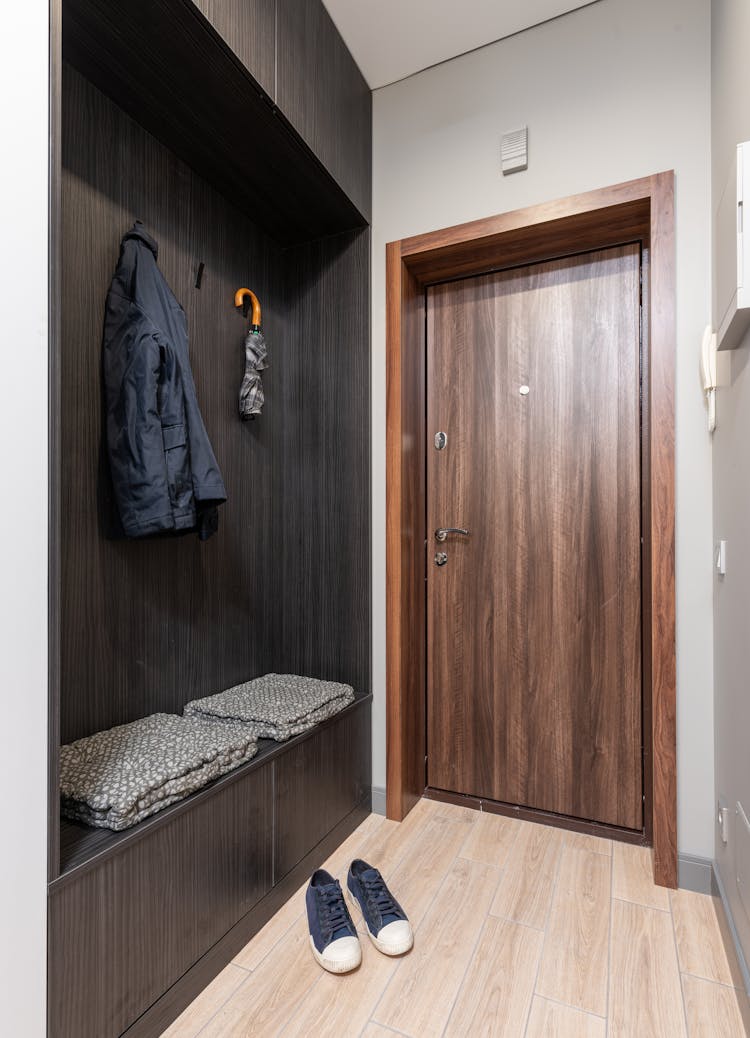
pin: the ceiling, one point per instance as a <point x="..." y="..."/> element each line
<point x="391" y="39"/>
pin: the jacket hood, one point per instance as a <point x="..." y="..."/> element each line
<point x="139" y="233"/>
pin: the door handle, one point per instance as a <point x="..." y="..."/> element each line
<point x="443" y="531"/>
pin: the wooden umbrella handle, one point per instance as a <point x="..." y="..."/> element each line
<point x="239" y="299"/>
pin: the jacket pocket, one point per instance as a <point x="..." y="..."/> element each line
<point x="177" y="458"/>
<point x="174" y="436"/>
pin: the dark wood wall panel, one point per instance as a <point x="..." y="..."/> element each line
<point x="128" y="929"/>
<point x="324" y="541"/>
<point x="147" y="625"/>
<point x="284" y="585"/>
<point x="249" y="27"/>
<point x="318" y="782"/>
<point x="324" y="95"/>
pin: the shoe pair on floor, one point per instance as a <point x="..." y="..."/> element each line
<point x="333" y="936"/>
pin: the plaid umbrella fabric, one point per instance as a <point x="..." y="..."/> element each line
<point x="251" y="390"/>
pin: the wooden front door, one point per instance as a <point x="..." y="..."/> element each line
<point x="534" y="617"/>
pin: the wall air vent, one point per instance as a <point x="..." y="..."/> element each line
<point x="515" y="150"/>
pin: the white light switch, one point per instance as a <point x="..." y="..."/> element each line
<point x="721" y="558"/>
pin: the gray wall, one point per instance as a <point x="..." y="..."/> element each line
<point x="730" y="125"/>
<point x="24" y="50"/>
<point x="611" y="92"/>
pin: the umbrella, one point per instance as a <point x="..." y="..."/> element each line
<point x="251" y="390"/>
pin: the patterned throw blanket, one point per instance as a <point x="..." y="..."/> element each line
<point x="277" y="706"/>
<point x="116" y="778"/>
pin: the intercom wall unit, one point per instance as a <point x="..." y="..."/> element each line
<point x="732" y="254"/>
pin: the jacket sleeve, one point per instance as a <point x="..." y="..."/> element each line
<point x="134" y="437"/>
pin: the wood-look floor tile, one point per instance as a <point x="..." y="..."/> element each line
<point x="551" y="1020"/>
<point x="713" y="1010"/>
<point x="494" y="999"/>
<point x="633" y="878"/>
<point x="453" y="812"/>
<point x="645" y="997"/>
<point x="525" y="892"/>
<point x="271" y="994"/>
<point x="574" y="962"/>
<point x="339" y="1006"/>
<point x="374" y="1030"/>
<point x="425" y="809"/>
<point x="385" y="848"/>
<point x="420" y="996"/>
<point x="256" y="950"/>
<point x="586" y="842"/>
<point x="491" y="838"/>
<point x="428" y="856"/>
<point x="277" y="926"/>
<point x="210" y="1000"/>
<point x="339" y="861"/>
<point x="700" y="946"/>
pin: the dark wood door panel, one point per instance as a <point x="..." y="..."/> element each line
<point x="249" y="27"/>
<point x="534" y="692"/>
<point x="322" y="93"/>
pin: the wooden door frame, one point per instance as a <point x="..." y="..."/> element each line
<point x="639" y="210"/>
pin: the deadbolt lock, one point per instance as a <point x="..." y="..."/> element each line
<point x="440" y="558"/>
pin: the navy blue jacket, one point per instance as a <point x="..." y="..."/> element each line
<point x="164" y="472"/>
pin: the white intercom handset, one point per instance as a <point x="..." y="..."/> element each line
<point x="708" y="374"/>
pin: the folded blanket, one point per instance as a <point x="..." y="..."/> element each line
<point x="278" y="706"/>
<point x="116" y="778"/>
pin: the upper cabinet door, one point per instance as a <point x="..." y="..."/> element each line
<point x="322" y="93"/>
<point x="249" y="28"/>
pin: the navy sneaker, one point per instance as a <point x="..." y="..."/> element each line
<point x="389" y="929"/>
<point x="333" y="936"/>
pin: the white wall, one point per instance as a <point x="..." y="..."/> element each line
<point x="612" y="92"/>
<point x="23" y="517"/>
<point x="730" y="125"/>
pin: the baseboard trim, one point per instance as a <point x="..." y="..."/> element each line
<point x="742" y="961"/>
<point x="696" y="874"/>
<point x="378" y="800"/>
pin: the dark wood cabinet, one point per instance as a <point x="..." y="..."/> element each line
<point x="316" y="784"/>
<point x="324" y="96"/>
<point x="150" y="910"/>
<point x="165" y="64"/>
<point x="249" y="28"/>
<point x="167" y="111"/>
<point x="128" y="926"/>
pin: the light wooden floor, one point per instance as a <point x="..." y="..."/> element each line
<point x="520" y="929"/>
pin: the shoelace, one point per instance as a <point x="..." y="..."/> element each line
<point x="377" y="894"/>
<point x="333" y="913"/>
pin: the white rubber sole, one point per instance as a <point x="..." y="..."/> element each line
<point x="386" y="949"/>
<point x="336" y="966"/>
